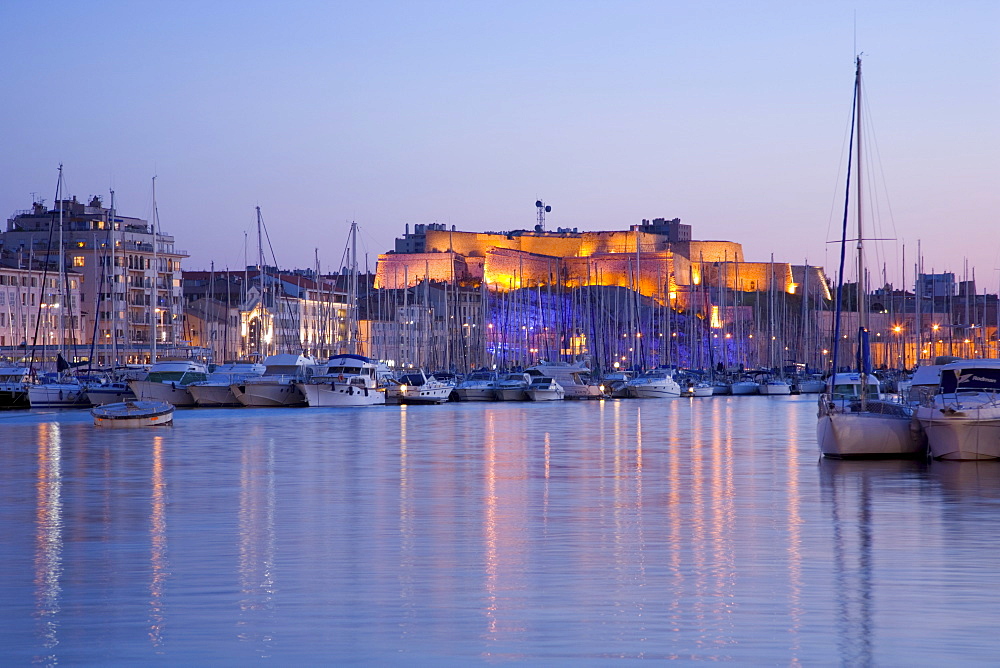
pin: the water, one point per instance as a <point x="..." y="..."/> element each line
<point x="562" y="532"/>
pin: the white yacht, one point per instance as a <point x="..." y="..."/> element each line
<point x="478" y="386"/>
<point x="216" y="390"/>
<point x="350" y="380"/>
<point x="419" y="388"/>
<point x="654" y="384"/>
<point x="167" y="380"/>
<point x="545" y="388"/>
<point x="511" y="387"/>
<point x="857" y="420"/>
<point x="962" y="421"/>
<point x="575" y="379"/>
<point x="278" y="386"/>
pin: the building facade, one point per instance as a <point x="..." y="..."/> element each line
<point x="129" y="275"/>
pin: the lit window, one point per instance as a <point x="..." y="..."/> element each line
<point x="78" y="261"/>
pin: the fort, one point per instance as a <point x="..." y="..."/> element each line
<point x="657" y="258"/>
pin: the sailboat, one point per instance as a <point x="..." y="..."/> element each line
<point x="854" y="420"/>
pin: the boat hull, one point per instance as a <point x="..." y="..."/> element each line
<point x="99" y="396"/>
<point x="653" y="392"/>
<point x="172" y="393"/>
<point x="337" y="395"/>
<point x="14" y="396"/>
<point x="215" y="396"/>
<point x="58" y="395"/>
<point x="741" y="388"/>
<point x="416" y="395"/>
<point x="476" y="393"/>
<point x="844" y="435"/>
<point x="774" y="389"/>
<point x="962" y="436"/>
<point x="546" y="395"/>
<point x="511" y="394"/>
<point x="267" y="395"/>
<point x="133" y="414"/>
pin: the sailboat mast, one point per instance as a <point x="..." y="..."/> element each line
<point x="64" y="299"/>
<point x="352" y="300"/>
<point x="154" y="311"/>
<point x="862" y="292"/>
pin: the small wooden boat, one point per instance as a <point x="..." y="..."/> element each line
<point x="128" y="414"/>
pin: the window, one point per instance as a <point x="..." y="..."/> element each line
<point x="78" y="260"/>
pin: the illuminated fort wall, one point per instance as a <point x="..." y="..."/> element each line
<point x="510" y="261"/>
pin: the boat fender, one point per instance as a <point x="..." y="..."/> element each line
<point x="173" y="386"/>
<point x="366" y="391"/>
<point x="60" y="395"/>
<point x="350" y="390"/>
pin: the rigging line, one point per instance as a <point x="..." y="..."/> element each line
<point x="843" y="246"/>
<point x="880" y="194"/>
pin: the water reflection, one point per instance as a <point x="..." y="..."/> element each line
<point x="851" y="489"/>
<point x="256" y="539"/>
<point x="48" y="537"/>
<point x="158" y="548"/>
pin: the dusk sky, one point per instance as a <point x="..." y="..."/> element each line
<point x="731" y="116"/>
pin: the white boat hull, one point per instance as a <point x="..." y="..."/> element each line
<point x="476" y="393"/>
<point x="269" y="395"/>
<point x="774" y="389"/>
<point x="418" y="395"/>
<point x="741" y="388"/>
<point x="961" y="435"/>
<point x="213" y="395"/>
<point x="868" y="435"/>
<point x="546" y="395"/>
<point x="339" y="395"/>
<point x="654" y="392"/>
<point x="99" y="396"/>
<point x="583" y="392"/>
<point x="57" y="395"/>
<point x="172" y="393"/>
<point x="511" y="394"/>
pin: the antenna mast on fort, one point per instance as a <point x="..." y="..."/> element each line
<point x="542" y="210"/>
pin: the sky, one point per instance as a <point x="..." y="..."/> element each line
<point x="732" y="116"/>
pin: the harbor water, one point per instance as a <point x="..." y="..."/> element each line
<point x="702" y="529"/>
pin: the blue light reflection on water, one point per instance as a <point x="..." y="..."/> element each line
<point x="702" y="529"/>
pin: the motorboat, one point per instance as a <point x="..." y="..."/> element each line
<point x="216" y="390"/>
<point x="511" y="387"/>
<point x="478" y="386"/>
<point x="350" y="380"/>
<point x="132" y="414"/>
<point x="962" y="420"/>
<point x="419" y="388"/>
<point x="857" y="420"/>
<point x="545" y="388"/>
<point x="654" y="384"/>
<point x="575" y="379"/>
<point x="278" y="386"/>
<point x="615" y="383"/>
<point x="168" y="380"/>
<point x="14" y="382"/>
